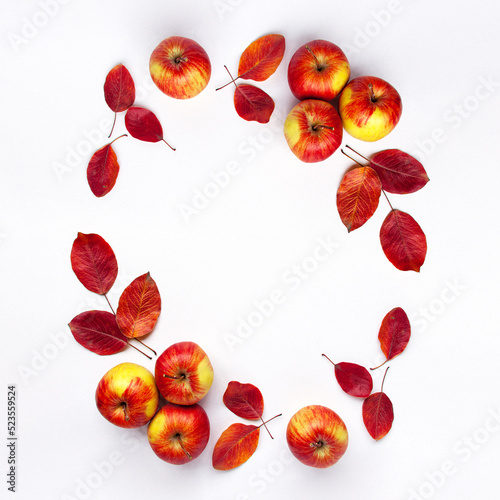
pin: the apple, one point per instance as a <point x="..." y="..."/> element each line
<point x="318" y="70"/>
<point x="370" y="108"/>
<point x="183" y="373"/>
<point x="127" y="395"/>
<point x="180" y="67"/>
<point x="179" y="434"/>
<point x="313" y="130"/>
<point x="317" y="436"/>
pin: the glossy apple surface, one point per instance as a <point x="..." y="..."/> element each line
<point x="370" y="108"/>
<point x="317" y="436"/>
<point x="183" y="373"/>
<point x="313" y="130"/>
<point x="179" y="434"/>
<point x="318" y="70"/>
<point x="180" y="67"/>
<point x="127" y="395"/>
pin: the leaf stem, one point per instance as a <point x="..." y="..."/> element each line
<point x="334" y="364"/>
<point x="137" y="349"/>
<point x="387" y="198"/>
<point x="382" y="364"/>
<point x="145" y="345"/>
<point x="173" y="149"/>
<point x="109" y="304"/>
<point x="113" y="126"/>
<point x="348" y="156"/>
<point x="382" y="386"/>
<point x="354" y="151"/>
<point x="116" y="138"/>
<point x="233" y="80"/>
<point x="267" y="421"/>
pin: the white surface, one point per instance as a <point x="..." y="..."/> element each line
<point x="213" y="268"/>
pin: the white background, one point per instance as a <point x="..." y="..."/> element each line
<point x="215" y="267"/>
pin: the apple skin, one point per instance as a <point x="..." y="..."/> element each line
<point x="179" y="434"/>
<point x="127" y="395"/>
<point x="318" y="70"/>
<point x="180" y="67"/>
<point x="370" y="108"/>
<point x="183" y="373"/>
<point x="313" y="130"/>
<point x="317" y="436"/>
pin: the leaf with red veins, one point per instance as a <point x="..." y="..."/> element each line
<point x="139" y="307"/>
<point x="244" y="400"/>
<point x="399" y="172"/>
<point x="235" y="446"/>
<point x="262" y="58"/>
<point x="94" y="263"/>
<point x="358" y="196"/>
<point x="98" y="332"/>
<point x="403" y="241"/>
<point x="119" y="90"/>
<point x="253" y="104"/>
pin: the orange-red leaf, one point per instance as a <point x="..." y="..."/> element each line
<point x="244" y="400"/>
<point x="261" y="58"/>
<point x="358" y="196"/>
<point x="94" y="263"/>
<point x="139" y="307"/>
<point x="394" y="333"/>
<point x="235" y="446"/>
<point x="98" y="332"/>
<point x="253" y="104"/>
<point x="102" y="170"/>
<point x="378" y="415"/>
<point x="403" y="241"/>
<point x="143" y="124"/>
<point x="399" y="172"/>
<point x="119" y="89"/>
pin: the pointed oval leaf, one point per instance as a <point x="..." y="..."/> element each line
<point x="94" y="263"/>
<point x="399" y="172"/>
<point x="262" y="58"/>
<point x="378" y="415"/>
<point x="354" y="379"/>
<point x="139" y="307"/>
<point x="394" y="333"/>
<point x="253" y="104"/>
<point x="119" y="89"/>
<point x="103" y="169"/>
<point x="98" y="332"/>
<point x="244" y="400"/>
<point x="403" y="241"/>
<point x="358" y="196"/>
<point x="143" y="124"/>
<point x="235" y="446"/>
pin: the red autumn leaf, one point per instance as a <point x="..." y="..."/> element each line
<point x="378" y="413"/>
<point x="139" y="307"/>
<point x="103" y="169"/>
<point x="358" y="196"/>
<point x="94" y="263"/>
<point x="144" y="125"/>
<point x="354" y="379"/>
<point x="394" y="333"/>
<point x="119" y="90"/>
<point x="399" y="172"/>
<point x="98" y="332"/>
<point x="235" y="446"/>
<point x="261" y="58"/>
<point x="403" y="241"/>
<point x="253" y="104"/>
<point x="244" y="400"/>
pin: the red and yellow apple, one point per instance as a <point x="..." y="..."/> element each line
<point x="183" y="373"/>
<point x="370" y="108"/>
<point x="127" y="395"/>
<point x="317" y="436"/>
<point x="179" y="434"/>
<point x="313" y="130"/>
<point x="318" y="70"/>
<point x="180" y="67"/>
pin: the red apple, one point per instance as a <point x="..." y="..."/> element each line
<point x="183" y="373"/>
<point x="179" y="434"/>
<point x="313" y="130"/>
<point x="180" y="67"/>
<point x="318" y="70"/>
<point x="370" y="108"/>
<point x="127" y="395"/>
<point x="317" y="436"/>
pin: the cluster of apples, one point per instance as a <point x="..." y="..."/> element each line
<point x="129" y="396"/>
<point x="368" y="107"/>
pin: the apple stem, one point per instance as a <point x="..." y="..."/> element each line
<point x="178" y="436"/>
<point x="137" y="349"/>
<point x="180" y="59"/>
<point x="145" y="345"/>
<point x="334" y="364"/>
<point x="180" y="377"/>
<point x="317" y="444"/>
<point x="348" y="156"/>
<point x="125" y="411"/>
<point x="173" y="149"/>
<point x="319" y="66"/>
<point x="233" y="80"/>
<point x="109" y="304"/>
<point x="372" y="94"/>
<point x="113" y="126"/>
